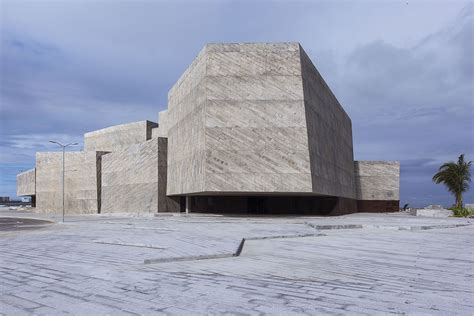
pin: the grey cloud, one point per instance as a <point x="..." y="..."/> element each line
<point x="414" y="102"/>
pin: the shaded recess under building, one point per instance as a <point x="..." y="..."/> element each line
<point x="250" y="128"/>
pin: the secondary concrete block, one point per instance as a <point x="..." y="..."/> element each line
<point x="155" y="132"/>
<point x="377" y="185"/>
<point x="81" y="182"/>
<point x="134" y="179"/>
<point x="377" y="180"/>
<point x="26" y="183"/>
<point x="120" y="136"/>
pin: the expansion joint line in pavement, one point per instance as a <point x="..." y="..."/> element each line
<point x="387" y="227"/>
<point x="226" y="255"/>
<point x="329" y="227"/>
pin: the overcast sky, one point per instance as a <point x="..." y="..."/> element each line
<point x="403" y="71"/>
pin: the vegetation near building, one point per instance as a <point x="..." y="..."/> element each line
<point x="456" y="177"/>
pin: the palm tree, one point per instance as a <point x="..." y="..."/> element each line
<point x="456" y="177"/>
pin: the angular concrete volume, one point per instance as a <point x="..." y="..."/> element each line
<point x="377" y="185"/>
<point x="119" y="136"/>
<point x="130" y="179"/>
<point x="26" y="183"/>
<point x="81" y="185"/>
<point x="257" y="118"/>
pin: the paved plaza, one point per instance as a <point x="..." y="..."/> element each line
<point x="209" y="264"/>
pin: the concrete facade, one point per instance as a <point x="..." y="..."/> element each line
<point x="26" y="183"/>
<point x="252" y="118"/>
<point x="377" y="185"/>
<point x="81" y="182"/>
<point x="131" y="179"/>
<point x="163" y="123"/>
<point x="249" y="128"/>
<point x="119" y="136"/>
<point x="377" y="180"/>
<point x="329" y="136"/>
<point x="258" y="119"/>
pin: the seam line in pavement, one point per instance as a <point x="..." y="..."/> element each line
<point x="128" y="244"/>
<point x="226" y="255"/>
<point x="386" y="227"/>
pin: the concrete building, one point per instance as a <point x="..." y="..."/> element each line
<point x="250" y="128"/>
<point x="26" y="185"/>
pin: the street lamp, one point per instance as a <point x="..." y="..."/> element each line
<point x="64" y="149"/>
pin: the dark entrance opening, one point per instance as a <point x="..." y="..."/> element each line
<point x="270" y="205"/>
<point x="256" y="205"/>
<point x="182" y="204"/>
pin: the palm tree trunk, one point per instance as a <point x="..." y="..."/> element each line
<point x="458" y="199"/>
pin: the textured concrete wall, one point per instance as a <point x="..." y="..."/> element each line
<point x="186" y="133"/>
<point x="237" y="121"/>
<point x="255" y="130"/>
<point x="165" y="203"/>
<point x="155" y="132"/>
<point x="329" y="134"/>
<point x="130" y="179"/>
<point x="134" y="179"/>
<point x="163" y="123"/>
<point x="257" y="118"/>
<point x="81" y="186"/>
<point x="118" y="137"/>
<point x="26" y="183"/>
<point x="377" y="180"/>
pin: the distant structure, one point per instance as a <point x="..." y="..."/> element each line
<point x="250" y="128"/>
<point x="4" y="199"/>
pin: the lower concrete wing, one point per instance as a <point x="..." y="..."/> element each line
<point x="377" y="185"/>
<point x="26" y="183"/>
<point x="81" y="182"/>
<point x="134" y="179"/>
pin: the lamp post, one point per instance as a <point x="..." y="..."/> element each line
<point x="64" y="149"/>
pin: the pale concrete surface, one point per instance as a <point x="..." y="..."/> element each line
<point x="155" y="132"/>
<point x="134" y="179"/>
<point x="163" y="124"/>
<point x="81" y="181"/>
<point x="118" y="136"/>
<point x="329" y="135"/>
<point x="26" y="182"/>
<point x="377" y="180"/>
<point x="185" y="121"/>
<point x="94" y="265"/>
<point x="130" y="179"/>
<point x="257" y="118"/>
<point x="432" y="212"/>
